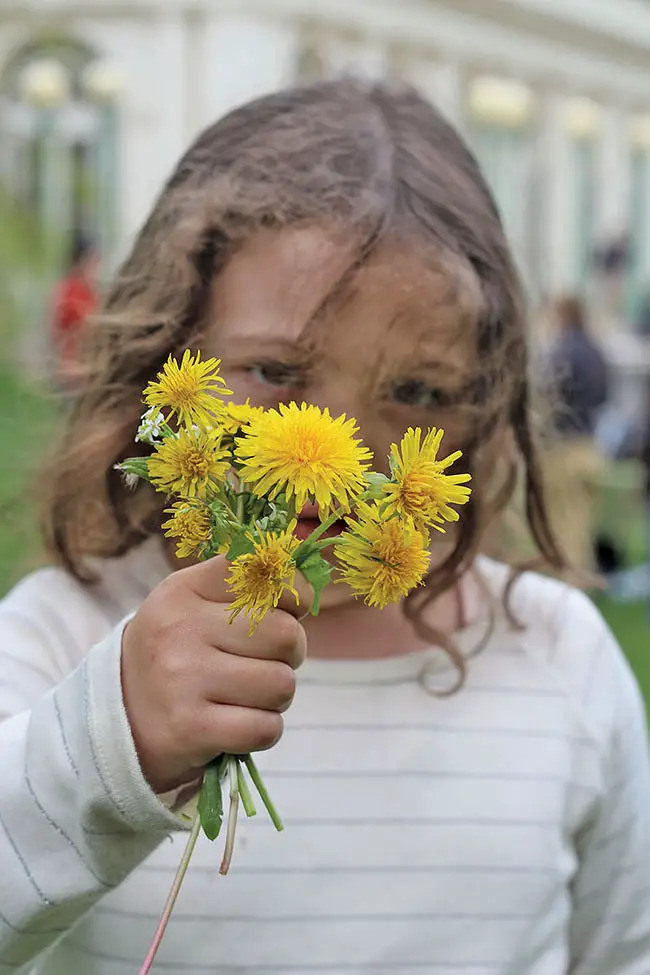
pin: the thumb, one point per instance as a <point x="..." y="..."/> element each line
<point x="208" y="579"/>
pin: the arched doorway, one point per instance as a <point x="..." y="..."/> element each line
<point x="58" y="132"/>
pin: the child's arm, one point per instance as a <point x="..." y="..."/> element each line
<point x="610" y="931"/>
<point x="76" y="815"/>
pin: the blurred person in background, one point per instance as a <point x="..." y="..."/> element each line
<point x="75" y="298"/>
<point x="611" y="261"/>
<point x="577" y="378"/>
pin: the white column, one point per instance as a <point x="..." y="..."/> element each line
<point x="640" y="148"/>
<point x="644" y="269"/>
<point x="55" y="179"/>
<point x="613" y="212"/>
<point x="197" y="59"/>
<point x="149" y="115"/>
<point x="556" y="208"/>
<point x="167" y="87"/>
<point x="613" y="179"/>
<point x="442" y="82"/>
<point x="247" y="56"/>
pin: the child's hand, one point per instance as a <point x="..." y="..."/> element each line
<point x="195" y="685"/>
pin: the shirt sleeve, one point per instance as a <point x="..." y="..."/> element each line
<point x="610" y="929"/>
<point x="76" y="814"/>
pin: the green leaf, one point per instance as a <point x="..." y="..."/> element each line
<point x="318" y="573"/>
<point x="240" y="545"/>
<point x="210" y="805"/>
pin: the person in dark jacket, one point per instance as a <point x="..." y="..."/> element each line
<point x="579" y="381"/>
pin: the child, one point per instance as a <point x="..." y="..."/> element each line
<point x="463" y="778"/>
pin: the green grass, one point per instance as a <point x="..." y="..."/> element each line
<point x="27" y="423"/>
<point x="630" y="623"/>
<point x="622" y="518"/>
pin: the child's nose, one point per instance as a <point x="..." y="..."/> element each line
<point x="338" y="397"/>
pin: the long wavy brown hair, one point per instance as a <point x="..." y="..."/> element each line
<point x="377" y="158"/>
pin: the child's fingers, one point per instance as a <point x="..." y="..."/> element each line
<point x="278" y="636"/>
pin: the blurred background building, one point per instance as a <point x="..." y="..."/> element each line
<point x="98" y="98"/>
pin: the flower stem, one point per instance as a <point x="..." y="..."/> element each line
<point x="240" y="509"/>
<point x="173" y="894"/>
<point x="261" y="788"/>
<point x="245" y="792"/>
<point x="325" y="542"/>
<point x="316" y="534"/>
<point x="232" y="816"/>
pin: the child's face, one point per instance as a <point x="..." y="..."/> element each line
<point x="394" y="349"/>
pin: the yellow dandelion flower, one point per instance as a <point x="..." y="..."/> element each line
<point x="236" y="416"/>
<point x="304" y="452"/>
<point x="190" y="524"/>
<point x="420" y="489"/>
<point x="382" y="557"/>
<point x="260" y="578"/>
<point x="188" y="463"/>
<point x="190" y="390"/>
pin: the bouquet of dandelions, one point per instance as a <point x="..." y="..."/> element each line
<point x="237" y="477"/>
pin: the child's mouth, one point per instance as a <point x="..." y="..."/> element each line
<point x="308" y="521"/>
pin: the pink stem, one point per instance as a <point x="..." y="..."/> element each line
<point x="173" y="894"/>
<point x="232" y="817"/>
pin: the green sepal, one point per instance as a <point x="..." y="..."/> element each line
<point x="274" y="516"/>
<point x="376" y="483"/>
<point x="223" y="526"/>
<point x="318" y="573"/>
<point x="210" y="805"/>
<point x="276" y="522"/>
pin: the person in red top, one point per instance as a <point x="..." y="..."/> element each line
<point x="75" y="298"/>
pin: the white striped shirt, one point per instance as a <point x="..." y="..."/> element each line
<point x="504" y="830"/>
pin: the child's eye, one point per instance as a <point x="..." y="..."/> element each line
<point x="277" y="374"/>
<point x="416" y="392"/>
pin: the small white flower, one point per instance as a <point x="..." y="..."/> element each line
<point x="150" y="429"/>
